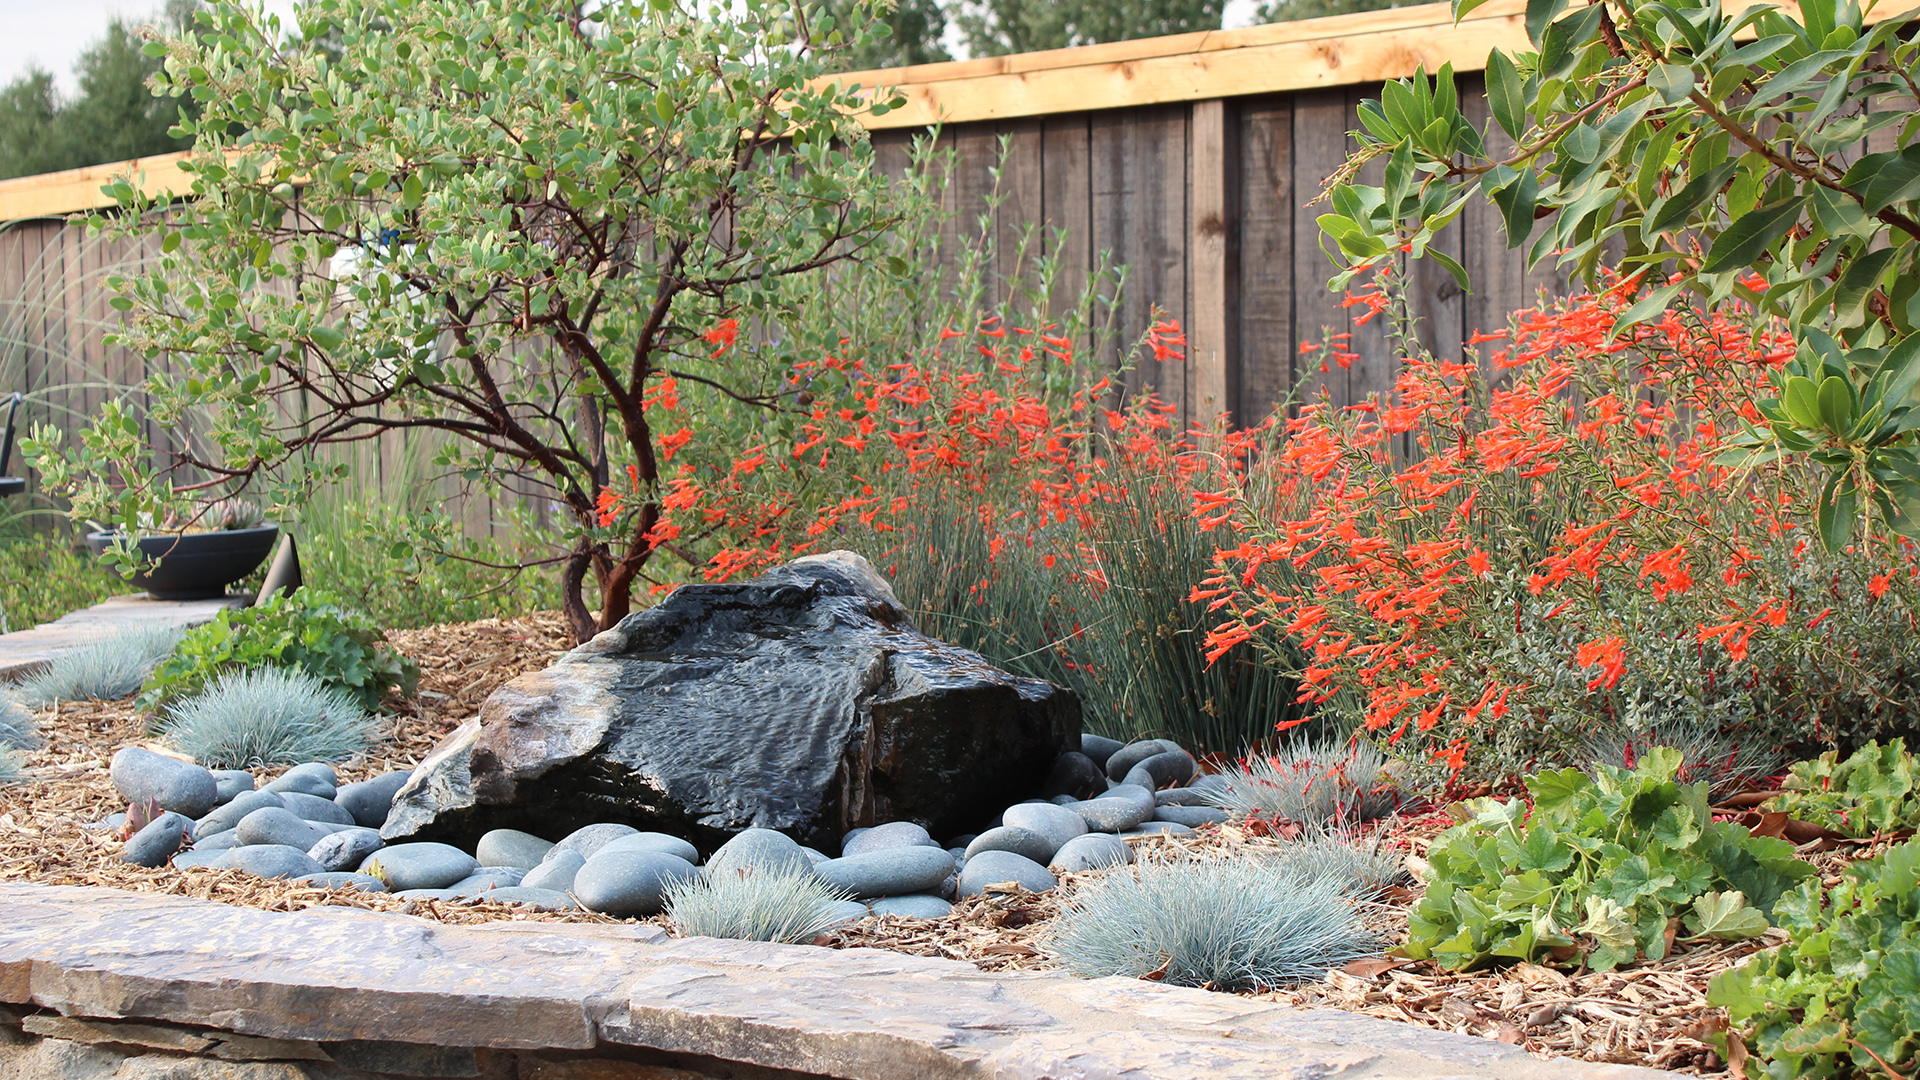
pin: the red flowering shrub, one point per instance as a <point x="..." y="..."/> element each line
<point x="1017" y="513"/>
<point x="1498" y="559"/>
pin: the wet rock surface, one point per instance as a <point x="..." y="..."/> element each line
<point x="804" y="700"/>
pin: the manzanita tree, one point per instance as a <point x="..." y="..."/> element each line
<point x="507" y="221"/>
<point x="1724" y="155"/>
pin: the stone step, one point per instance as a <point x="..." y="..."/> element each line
<point x="350" y="985"/>
<point x="24" y="652"/>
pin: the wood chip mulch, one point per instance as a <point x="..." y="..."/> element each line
<point x="44" y="833"/>
<point x="1651" y="1014"/>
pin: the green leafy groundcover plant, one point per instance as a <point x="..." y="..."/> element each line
<point x="1598" y="872"/>
<point x="1842" y="996"/>
<point x="309" y="629"/>
<point x="1869" y="793"/>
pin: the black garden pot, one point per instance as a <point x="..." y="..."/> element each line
<point x="196" y="566"/>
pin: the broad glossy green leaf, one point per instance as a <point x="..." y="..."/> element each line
<point x="1894" y="179"/>
<point x="1517" y="202"/>
<point x="1647" y="307"/>
<point x="1652" y="167"/>
<point x="1539" y="14"/>
<point x="1561" y="44"/>
<point x="1506" y="95"/>
<point x="1838" y="509"/>
<point x="1836" y="404"/>
<point x="1672" y="82"/>
<point x="1752" y="234"/>
<point x="1681" y="208"/>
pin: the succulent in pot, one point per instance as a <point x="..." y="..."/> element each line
<point x="197" y="554"/>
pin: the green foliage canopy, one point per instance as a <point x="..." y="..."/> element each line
<point x="497" y="220"/>
<point x="1001" y="27"/>
<point x="1720" y="155"/>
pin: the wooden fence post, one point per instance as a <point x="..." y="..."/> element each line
<point x="1213" y="272"/>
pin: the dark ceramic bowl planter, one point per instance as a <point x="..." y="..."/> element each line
<point x="196" y="566"/>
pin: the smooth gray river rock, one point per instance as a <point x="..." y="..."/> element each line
<point x="179" y="786"/>
<point x="888" y="872"/>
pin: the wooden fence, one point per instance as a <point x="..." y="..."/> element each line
<point x="1189" y="159"/>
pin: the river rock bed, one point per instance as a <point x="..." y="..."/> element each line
<point x="309" y="826"/>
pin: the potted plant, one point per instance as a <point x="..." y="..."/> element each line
<point x="200" y="555"/>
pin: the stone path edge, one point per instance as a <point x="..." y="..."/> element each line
<point x="340" y="974"/>
<point x="26" y="651"/>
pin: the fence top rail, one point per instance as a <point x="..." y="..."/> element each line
<point x="1309" y="54"/>
<point x="1337" y="50"/>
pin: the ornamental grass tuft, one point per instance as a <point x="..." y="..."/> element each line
<point x="752" y="904"/>
<point x="1361" y="868"/>
<point x="268" y="716"/>
<point x="105" y="670"/>
<point x="1312" y="784"/>
<point x="13" y="766"/>
<point x="1727" y="762"/>
<point x="1235" y="925"/>
<point x="19" y="728"/>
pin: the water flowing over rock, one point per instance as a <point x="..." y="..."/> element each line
<point x="804" y="700"/>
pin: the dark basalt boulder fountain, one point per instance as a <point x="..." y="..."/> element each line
<point x="804" y="700"/>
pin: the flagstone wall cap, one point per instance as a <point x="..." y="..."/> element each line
<point x="331" y="975"/>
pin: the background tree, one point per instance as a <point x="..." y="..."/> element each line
<point x="518" y="227"/>
<point x="114" y="116"/>
<point x="1000" y="27"/>
<point x="1277" y="11"/>
<point x="29" y="115"/>
<point x="909" y="33"/>
<point x="1752" y="158"/>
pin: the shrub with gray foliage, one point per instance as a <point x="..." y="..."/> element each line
<point x="1235" y="925"/>
<point x="105" y="670"/>
<point x="754" y="904"/>
<point x="268" y="716"/>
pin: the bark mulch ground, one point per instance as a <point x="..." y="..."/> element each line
<point x="1647" y="1014"/>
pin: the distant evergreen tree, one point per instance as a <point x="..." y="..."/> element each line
<point x="113" y="117"/>
<point x="1275" y="11"/>
<point x="999" y="27"/>
<point x="916" y="29"/>
<point x="28" y="114"/>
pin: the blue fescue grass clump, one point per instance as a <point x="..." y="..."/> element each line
<point x="13" y="767"/>
<point x="1727" y="762"/>
<point x="1318" y="785"/>
<point x="790" y="906"/>
<point x="1359" y="867"/>
<point x="1235" y="925"/>
<point x="268" y="716"/>
<point x="19" y="728"/>
<point x="105" y="670"/>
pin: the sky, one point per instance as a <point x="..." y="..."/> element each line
<point x="53" y="33"/>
